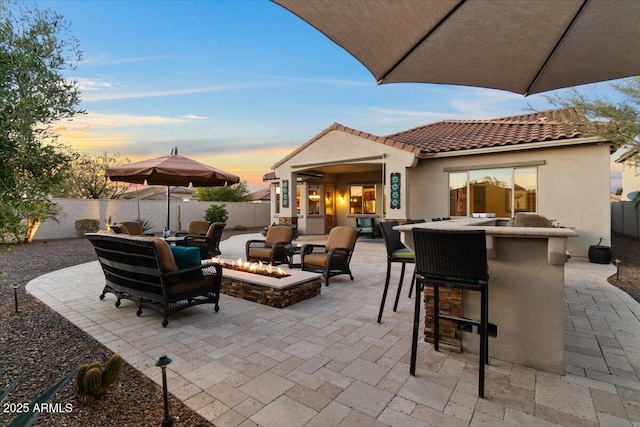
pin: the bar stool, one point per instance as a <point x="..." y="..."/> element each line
<point x="397" y="252"/>
<point x="452" y="259"/>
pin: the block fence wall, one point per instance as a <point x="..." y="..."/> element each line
<point x="155" y="211"/>
<point x="625" y="218"/>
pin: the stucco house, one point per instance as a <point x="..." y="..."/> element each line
<point x="454" y="168"/>
<point x="630" y="173"/>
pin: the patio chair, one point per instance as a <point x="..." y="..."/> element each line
<point x="209" y="243"/>
<point x="452" y="259"/>
<point x="272" y="248"/>
<point x="194" y="228"/>
<point x="334" y="257"/>
<point x="397" y="252"/>
<point x="365" y="226"/>
<point x="134" y="228"/>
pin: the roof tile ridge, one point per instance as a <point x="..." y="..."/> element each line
<point x="414" y="129"/>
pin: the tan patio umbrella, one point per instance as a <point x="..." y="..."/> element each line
<point x="172" y="170"/>
<point x="525" y="47"/>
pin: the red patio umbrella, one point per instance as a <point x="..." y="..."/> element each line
<point x="171" y="171"/>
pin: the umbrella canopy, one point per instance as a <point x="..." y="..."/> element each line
<point x="170" y="171"/>
<point x="523" y="47"/>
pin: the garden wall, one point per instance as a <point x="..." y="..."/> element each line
<point x="625" y="218"/>
<point x="155" y="211"/>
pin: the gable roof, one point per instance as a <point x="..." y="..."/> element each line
<point x="341" y="128"/>
<point x="460" y="135"/>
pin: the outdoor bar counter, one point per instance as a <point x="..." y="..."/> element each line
<point x="526" y="293"/>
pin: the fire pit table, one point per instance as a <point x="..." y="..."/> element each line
<point x="292" y="287"/>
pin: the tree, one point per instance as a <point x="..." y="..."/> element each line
<point x="618" y="121"/>
<point x="86" y="178"/>
<point x="35" y="49"/>
<point x="233" y="193"/>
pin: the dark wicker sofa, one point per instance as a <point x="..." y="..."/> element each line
<point x="144" y="270"/>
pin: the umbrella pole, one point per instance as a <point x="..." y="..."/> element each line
<point x="168" y="206"/>
<point x="138" y="201"/>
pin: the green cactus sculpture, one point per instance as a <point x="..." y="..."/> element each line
<point x="92" y="380"/>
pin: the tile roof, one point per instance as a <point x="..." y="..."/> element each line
<point x="458" y="135"/>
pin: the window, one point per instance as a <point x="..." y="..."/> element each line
<point x="362" y="199"/>
<point x="298" y="199"/>
<point x="458" y="194"/>
<point x="313" y="197"/>
<point x="277" y="199"/>
<point x="502" y="191"/>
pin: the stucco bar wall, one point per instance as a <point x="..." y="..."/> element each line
<point x="526" y="292"/>
<point x="573" y="188"/>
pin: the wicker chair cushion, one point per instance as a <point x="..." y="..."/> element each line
<point x="341" y="237"/>
<point x="197" y="227"/>
<point x="131" y="227"/>
<point x="278" y="233"/>
<point x="167" y="260"/>
<point x="404" y="253"/>
<point x="185" y="256"/>
<point x="316" y="258"/>
<point x="260" y="253"/>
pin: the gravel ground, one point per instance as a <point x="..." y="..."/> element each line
<point x="627" y="250"/>
<point x="39" y="347"/>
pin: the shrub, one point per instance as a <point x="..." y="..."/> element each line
<point x="145" y="224"/>
<point x="240" y="228"/>
<point x="86" y="226"/>
<point x="216" y="213"/>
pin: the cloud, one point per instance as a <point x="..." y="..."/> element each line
<point x="314" y="80"/>
<point x="98" y="62"/>
<point x="93" y="120"/>
<point x="92" y="85"/>
<point x="432" y="116"/>
<point x="193" y="117"/>
<point x="116" y="95"/>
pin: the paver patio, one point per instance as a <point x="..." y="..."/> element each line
<point x="327" y="362"/>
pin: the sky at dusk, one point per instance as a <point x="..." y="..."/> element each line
<point x="239" y="84"/>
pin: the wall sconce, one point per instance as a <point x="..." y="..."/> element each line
<point x="342" y="199"/>
<point x="163" y="361"/>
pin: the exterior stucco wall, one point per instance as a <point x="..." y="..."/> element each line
<point x="573" y="188"/>
<point x="341" y="148"/>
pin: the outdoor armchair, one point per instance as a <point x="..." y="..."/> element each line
<point x="365" y="227"/>
<point x="332" y="258"/>
<point x="272" y="248"/>
<point x="209" y="244"/>
<point x="195" y="228"/>
<point x="133" y="228"/>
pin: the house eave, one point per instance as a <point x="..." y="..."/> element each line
<point x="517" y="147"/>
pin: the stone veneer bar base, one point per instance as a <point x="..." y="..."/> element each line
<point x="279" y="293"/>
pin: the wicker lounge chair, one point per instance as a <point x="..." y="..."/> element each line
<point x="333" y="258"/>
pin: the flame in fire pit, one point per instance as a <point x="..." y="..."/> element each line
<point x="252" y="267"/>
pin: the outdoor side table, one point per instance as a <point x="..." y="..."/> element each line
<point x="291" y="251"/>
<point x="175" y="240"/>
